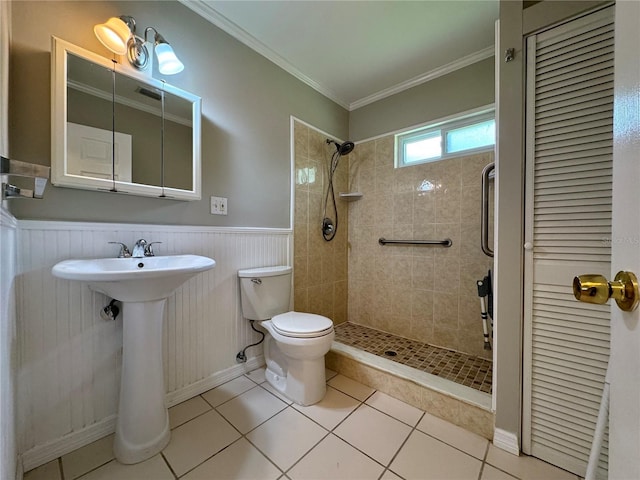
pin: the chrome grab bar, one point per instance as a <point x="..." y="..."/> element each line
<point x="484" y="216"/>
<point x="444" y="243"/>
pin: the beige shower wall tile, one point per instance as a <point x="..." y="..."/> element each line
<point x="446" y="274"/>
<point x="445" y="310"/>
<point x="403" y="208"/>
<point x="449" y="172"/>
<point x="300" y="240"/>
<point x="424" y="232"/>
<point x="316" y="176"/>
<point x="301" y="300"/>
<point x="340" y="301"/>
<point x="472" y="167"/>
<point x="300" y="272"/>
<point x="422" y="273"/>
<point x="448" y="202"/>
<point x="365" y="181"/>
<point x="384" y="179"/>
<point x="470" y="203"/>
<point x="422" y="306"/>
<point x="424" y="208"/>
<point x="470" y="249"/>
<point x="445" y="334"/>
<point x="301" y="139"/>
<point x="452" y="232"/>
<point x="404" y="180"/>
<point x="301" y="208"/>
<point x="384" y="151"/>
<point x="318" y="148"/>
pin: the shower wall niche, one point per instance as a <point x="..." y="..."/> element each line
<point x="425" y="293"/>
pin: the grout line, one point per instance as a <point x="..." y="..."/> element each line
<point x="60" y="469"/>
<point x="175" y="475"/>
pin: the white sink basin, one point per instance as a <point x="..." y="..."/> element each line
<point x="134" y="279"/>
<point x="143" y="285"/>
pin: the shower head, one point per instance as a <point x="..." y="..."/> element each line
<point x="344" y="148"/>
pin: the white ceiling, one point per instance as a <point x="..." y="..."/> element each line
<point x="357" y="52"/>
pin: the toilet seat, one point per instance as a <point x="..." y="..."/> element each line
<point x="301" y="325"/>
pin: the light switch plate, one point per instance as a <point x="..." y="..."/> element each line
<point x="218" y="206"/>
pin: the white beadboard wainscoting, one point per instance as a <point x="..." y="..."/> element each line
<point x="8" y="347"/>
<point x="70" y="359"/>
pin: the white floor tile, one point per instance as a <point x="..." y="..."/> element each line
<point x="285" y="438"/>
<point x="267" y="386"/>
<point x="491" y="473"/>
<point x="454" y="435"/>
<point x="228" y="390"/>
<point x="525" y="467"/>
<point x="376" y="434"/>
<point x="188" y="410"/>
<point x="87" y="458"/>
<point x="153" y="469"/>
<point x="389" y="475"/>
<point x="238" y="461"/>
<point x="48" y="471"/>
<point x="329" y="374"/>
<point x="197" y="440"/>
<point x="334" y="459"/>
<point x="250" y="409"/>
<point x="396" y="408"/>
<point x="351" y="387"/>
<point x="331" y="410"/>
<point x="426" y="458"/>
<point x="257" y="375"/>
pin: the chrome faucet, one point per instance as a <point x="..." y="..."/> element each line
<point x="142" y="248"/>
<point x="139" y="249"/>
<point x="124" y="251"/>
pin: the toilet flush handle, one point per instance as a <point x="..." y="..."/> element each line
<point x="257" y="281"/>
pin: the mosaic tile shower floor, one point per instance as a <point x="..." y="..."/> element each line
<point x="458" y="367"/>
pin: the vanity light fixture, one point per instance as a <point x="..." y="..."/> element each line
<point x="119" y="36"/>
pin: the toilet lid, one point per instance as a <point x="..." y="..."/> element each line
<point x="298" y="324"/>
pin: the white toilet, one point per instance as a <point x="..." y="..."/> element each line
<point x="295" y="342"/>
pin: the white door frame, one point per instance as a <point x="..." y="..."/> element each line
<point x="624" y="416"/>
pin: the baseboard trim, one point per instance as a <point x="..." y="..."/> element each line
<point x="19" y="468"/>
<point x="506" y="441"/>
<point x="213" y="381"/>
<point x="41" y="454"/>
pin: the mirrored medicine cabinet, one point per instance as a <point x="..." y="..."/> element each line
<point x="114" y="129"/>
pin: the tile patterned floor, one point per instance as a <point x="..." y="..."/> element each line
<point x="461" y="368"/>
<point x="244" y="430"/>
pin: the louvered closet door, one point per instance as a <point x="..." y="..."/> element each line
<point x="569" y="131"/>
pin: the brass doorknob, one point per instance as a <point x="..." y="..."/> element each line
<point x="596" y="289"/>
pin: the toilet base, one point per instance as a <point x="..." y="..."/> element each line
<point x="304" y="383"/>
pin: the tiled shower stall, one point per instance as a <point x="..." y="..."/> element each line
<point x="424" y="293"/>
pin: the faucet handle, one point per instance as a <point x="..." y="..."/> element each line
<point x="124" y="251"/>
<point x="148" y="251"/>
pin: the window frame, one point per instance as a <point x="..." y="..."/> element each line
<point x="444" y="127"/>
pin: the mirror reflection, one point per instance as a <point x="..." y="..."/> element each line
<point x="125" y="132"/>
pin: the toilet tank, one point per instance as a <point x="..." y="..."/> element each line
<point x="265" y="292"/>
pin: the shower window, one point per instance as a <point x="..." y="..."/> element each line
<point x="466" y="133"/>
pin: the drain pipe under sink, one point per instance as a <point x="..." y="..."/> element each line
<point x="598" y="435"/>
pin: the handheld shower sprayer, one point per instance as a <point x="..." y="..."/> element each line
<point x="329" y="228"/>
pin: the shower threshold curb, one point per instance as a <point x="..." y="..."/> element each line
<point x="438" y="384"/>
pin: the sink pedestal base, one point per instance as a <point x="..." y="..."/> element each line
<point x="142" y="427"/>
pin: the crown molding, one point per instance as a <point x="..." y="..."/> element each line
<point x="202" y="8"/>
<point x="206" y="11"/>
<point x="425" y="77"/>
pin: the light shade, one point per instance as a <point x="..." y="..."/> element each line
<point x="168" y="62"/>
<point x="113" y="34"/>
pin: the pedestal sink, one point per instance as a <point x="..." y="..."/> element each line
<point x="143" y="285"/>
